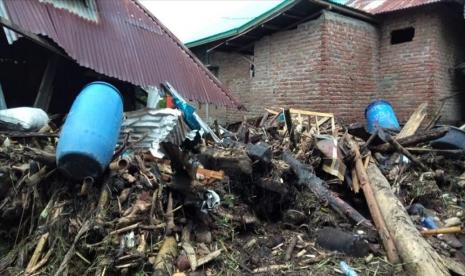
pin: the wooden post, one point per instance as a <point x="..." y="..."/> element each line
<point x="373" y="206"/>
<point x="44" y="95"/>
<point x="317" y="125"/>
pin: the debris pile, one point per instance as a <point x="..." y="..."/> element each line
<point x="292" y="191"/>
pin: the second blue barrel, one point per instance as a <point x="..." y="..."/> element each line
<point x="379" y="113"/>
<point x="90" y="133"/>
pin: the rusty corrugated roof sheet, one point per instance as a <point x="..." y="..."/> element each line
<point x="384" y="6"/>
<point x="127" y="43"/>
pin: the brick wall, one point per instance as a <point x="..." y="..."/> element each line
<point x="339" y="64"/>
<point x="316" y="66"/>
<point x="349" y="67"/>
<point x="286" y="72"/>
<point x="420" y="70"/>
<point x="407" y="70"/>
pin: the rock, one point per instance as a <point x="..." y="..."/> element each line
<point x="453" y="221"/>
<point x="336" y="240"/>
<point x="182" y="263"/>
<point x="294" y="217"/>
<point x="203" y="235"/>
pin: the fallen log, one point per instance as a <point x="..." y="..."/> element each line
<point x="316" y="185"/>
<point x="414" y="139"/>
<point x="417" y="255"/>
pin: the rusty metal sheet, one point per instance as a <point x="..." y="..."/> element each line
<point x="384" y="6"/>
<point x="127" y="43"/>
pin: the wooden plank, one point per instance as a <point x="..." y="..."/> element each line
<point x="414" y="121"/>
<point x="373" y="205"/>
<point x="264" y="118"/>
<point x="44" y="96"/>
<point x="333" y="127"/>
<point x="271" y="111"/>
<point x="317" y="125"/>
<point x="305" y="112"/>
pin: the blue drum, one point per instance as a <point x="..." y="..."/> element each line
<point x="379" y="113"/>
<point x="90" y="133"/>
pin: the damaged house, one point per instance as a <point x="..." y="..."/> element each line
<point x="321" y="56"/>
<point x="52" y="48"/>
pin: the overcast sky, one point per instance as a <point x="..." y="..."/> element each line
<point x="195" y="19"/>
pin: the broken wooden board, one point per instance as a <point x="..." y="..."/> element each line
<point x="414" y="121"/>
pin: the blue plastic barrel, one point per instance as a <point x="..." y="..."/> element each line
<point x="379" y="113"/>
<point x="90" y="133"/>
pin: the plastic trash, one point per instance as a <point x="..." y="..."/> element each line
<point x="211" y="201"/>
<point x="88" y="137"/>
<point x="130" y="240"/>
<point x="454" y="139"/>
<point x="23" y="118"/>
<point x="416" y="209"/>
<point x="428" y="222"/>
<point x="188" y="113"/>
<point x="348" y="271"/>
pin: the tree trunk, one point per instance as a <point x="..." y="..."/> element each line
<point x="418" y="257"/>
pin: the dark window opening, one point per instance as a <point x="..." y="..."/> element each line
<point x="402" y="35"/>
<point x="252" y="70"/>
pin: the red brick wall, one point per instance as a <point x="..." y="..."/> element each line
<point x="339" y="64"/>
<point x="349" y="67"/>
<point x="421" y="70"/>
<point x="286" y="72"/>
<point x="406" y="70"/>
<point x="316" y="67"/>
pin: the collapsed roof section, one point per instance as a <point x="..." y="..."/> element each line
<point x="124" y="41"/>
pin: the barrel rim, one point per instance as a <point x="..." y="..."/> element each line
<point x="375" y="102"/>
<point x="107" y="84"/>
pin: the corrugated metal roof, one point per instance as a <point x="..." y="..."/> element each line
<point x="127" y="43"/>
<point x="384" y="6"/>
<point x="150" y="127"/>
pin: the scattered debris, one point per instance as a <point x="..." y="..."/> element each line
<point x="279" y="198"/>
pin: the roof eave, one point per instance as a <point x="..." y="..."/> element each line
<point x="276" y="11"/>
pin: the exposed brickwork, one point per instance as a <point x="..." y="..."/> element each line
<point x="349" y="67"/>
<point x="421" y="70"/>
<point x="287" y="66"/>
<point x="339" y="64"/>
